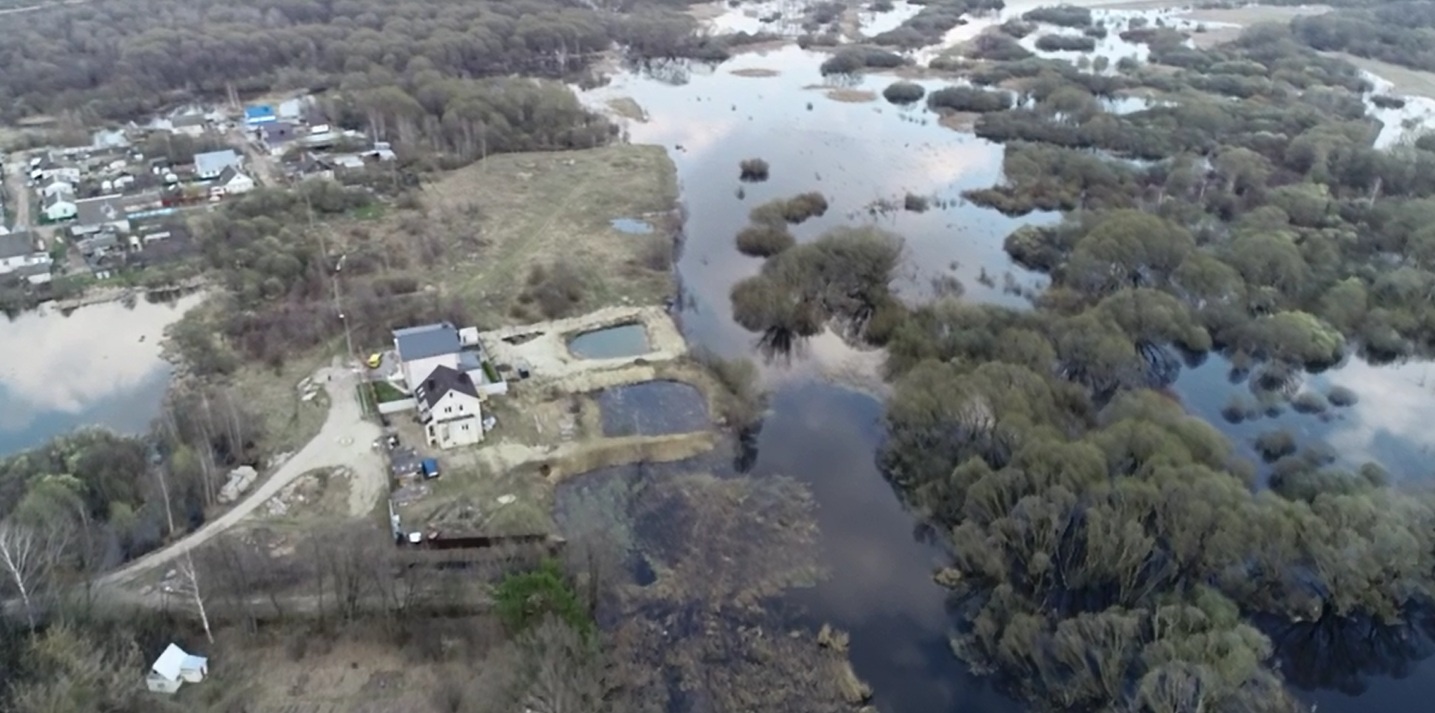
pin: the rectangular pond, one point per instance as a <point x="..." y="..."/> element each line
<point x="623" y="340"/>
<point x="652" y="408"/>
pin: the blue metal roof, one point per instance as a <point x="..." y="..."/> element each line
<point x="259" y="114"/>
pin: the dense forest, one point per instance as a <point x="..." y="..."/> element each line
<point x="119" y="60"/>
<point x="1111" y="552"/>
<point x="1396" y="32"/>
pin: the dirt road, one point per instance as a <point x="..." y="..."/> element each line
<point x="18" y="204"/>
<point x="262" y="167"/>
<point x="344" y="440"/>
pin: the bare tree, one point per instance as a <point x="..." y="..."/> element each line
<point x="189" y="585"/>
<point x="551" y="668"/>
<point x="28" y="555"/>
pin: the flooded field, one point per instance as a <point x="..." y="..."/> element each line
<point x="866" y="156"/>
<point x="653" y="408"/>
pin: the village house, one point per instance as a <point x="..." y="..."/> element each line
<point x="193" y="125"/>
<point x="58" y="206"/>
<point x="20" y="253"/>
<point x="421" y="350"/>
<point x="57" y="186"/>
<point x="231" y="182"/>
<point x="278" y="136"/>
<point x="67" y="174"/>
<point x="209" y="165"/>
<point x="255" y="116"/>
<point x="103" y="212"/>
<point x="174" y="668"/>
<point x="449" y="408"/>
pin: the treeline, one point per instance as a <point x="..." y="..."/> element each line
<point x="120" y="60"/>
<point x="462" y="120"/>
<point x="933" y="21"/>
<point x="1397" y="32"/>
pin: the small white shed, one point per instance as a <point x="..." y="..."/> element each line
<point x="174" y="668"/>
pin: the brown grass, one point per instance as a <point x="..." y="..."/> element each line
<point x="1406" y="80"/>
<point x="851" y="96"/>
<point x="509" y="213"/>
<point x="958" y="120"/>
<point x="288" y="423"/>
<point x="755" y="72"/>
<point x="628" y="108"/>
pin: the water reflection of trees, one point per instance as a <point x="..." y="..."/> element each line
<point x="1344" y="653"/>
<point x="701" y="633"/>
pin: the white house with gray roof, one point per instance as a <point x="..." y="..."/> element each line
<point x="20" y="253"/>
<point x="450" y="408"/>
<point x="422" y="350"/>
<point x="210" y="165"/>
<point x="95" y="214"/>
<point x="58" y="206"/>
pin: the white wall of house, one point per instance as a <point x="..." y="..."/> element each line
<point x="160" y="684"/>
<point x="485" y="387"/>
<point x="419" y="369"/>
<point x="57" y="187"/>
<point x="456" y="420"/>
<point x="239" y="184"/>
<point x="11" y="264"/>
<point x="60" y="210"/>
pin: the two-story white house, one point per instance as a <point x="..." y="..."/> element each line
<point x="449" y="408"/>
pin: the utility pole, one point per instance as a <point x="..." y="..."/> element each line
<point x="348" y="334"/>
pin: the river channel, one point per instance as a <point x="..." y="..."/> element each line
<point x="99" y="365"/>
<point x="862" y="154"/>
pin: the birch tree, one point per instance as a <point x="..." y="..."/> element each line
<point x="28" y="555"/>
<point x="189" y="586"/>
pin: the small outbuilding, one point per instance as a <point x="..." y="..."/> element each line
<point x="174" y="668"/>
<point x="259" y="115"/>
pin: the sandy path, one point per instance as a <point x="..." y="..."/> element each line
<point x="345" y="440"/>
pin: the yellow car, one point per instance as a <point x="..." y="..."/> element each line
<point x="375" y="360"/>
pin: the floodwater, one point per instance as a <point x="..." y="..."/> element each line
<point x="623" y="340"/>
<point x="865" y="157"/>
<point x="652" y="408"/>
<point x="1389" y="425"/>
<point x="98" y="366"/>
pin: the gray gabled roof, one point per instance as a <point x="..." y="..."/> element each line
<point x="215" y="161"/>
<point x="186" y="120"/>
<point x="426" y="341"/>
<point x="440" y="382"/>
<point x="17" y="244"/>
<point x="100" y="210"/>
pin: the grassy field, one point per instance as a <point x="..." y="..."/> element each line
<point x="511" y="214"/>
<point x="288" y="422"/>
